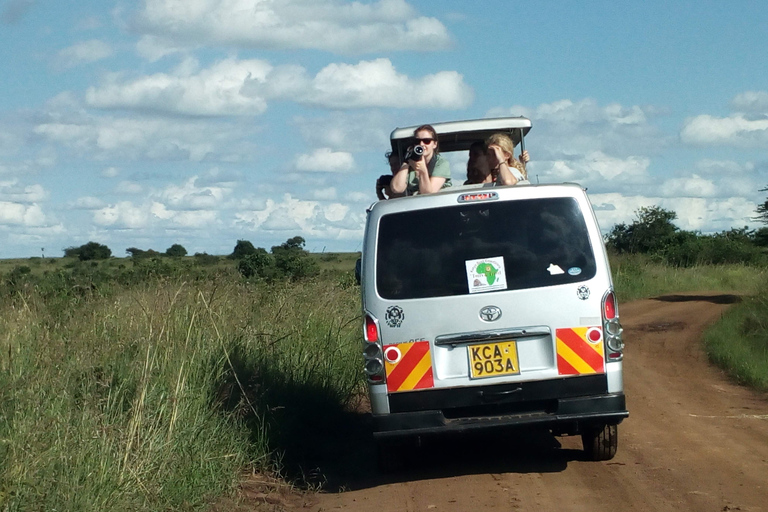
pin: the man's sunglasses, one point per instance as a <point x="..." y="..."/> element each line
<point x="425" y="141"/>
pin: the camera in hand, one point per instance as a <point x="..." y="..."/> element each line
<point x="414" y="153"/>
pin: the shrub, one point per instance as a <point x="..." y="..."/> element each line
<point x="260" y="264"/>
<point x="89" y="251"/>
<point x="176" y="251"/>
<point x="242" y="249"/>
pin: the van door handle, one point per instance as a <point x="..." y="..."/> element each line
<point x="488" y="396"/>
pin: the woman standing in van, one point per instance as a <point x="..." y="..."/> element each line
<point x="424" y="175"/>
<point x="504" y="167"/>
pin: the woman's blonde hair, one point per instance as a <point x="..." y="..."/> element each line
<point x="505" y="142"/>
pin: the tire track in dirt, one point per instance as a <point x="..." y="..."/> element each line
<point x="693" y="441"/>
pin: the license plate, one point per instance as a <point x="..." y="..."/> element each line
<point x="493" y="360"/>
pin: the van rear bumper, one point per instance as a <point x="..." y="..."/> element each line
<point x="563" y="416"/>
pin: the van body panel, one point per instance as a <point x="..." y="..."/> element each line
<point x="489" y="304"/>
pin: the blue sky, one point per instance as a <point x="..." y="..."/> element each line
<point x="144" y="123"/>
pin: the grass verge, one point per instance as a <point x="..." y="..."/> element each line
<point x="738" y="343"/>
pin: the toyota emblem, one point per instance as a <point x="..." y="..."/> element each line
<point x="490" y="313"/>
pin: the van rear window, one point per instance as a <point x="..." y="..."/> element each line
<point x="426" y="253"/>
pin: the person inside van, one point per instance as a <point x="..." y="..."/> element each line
<point x="477" y="165"/>
<point x="383" y="190"/>
<point x="425" y="173"/>
<point x="506" y="170"/>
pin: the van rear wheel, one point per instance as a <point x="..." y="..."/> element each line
<point x="601" y="443"/>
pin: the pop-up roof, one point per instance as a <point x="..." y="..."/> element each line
<point x="459" y="135"/>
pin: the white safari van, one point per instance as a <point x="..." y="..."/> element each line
<point x="490" y="307"/>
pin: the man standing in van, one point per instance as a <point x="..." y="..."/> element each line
<point x="425" y="173"/>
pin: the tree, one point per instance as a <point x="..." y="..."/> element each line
<point x="292" y="260"/>
<point x="651" y="232"/>
<point x="176" y="251"/>
<point x="762" y="209"/>
<point x="89" y="251"/>
<point x="259" y="264"/>
<point x="242" y="249"/>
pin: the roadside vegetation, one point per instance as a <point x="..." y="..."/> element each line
<point x="651" y="256"/>
<point x="152" y="384"/>
<point x="154" y="381"/>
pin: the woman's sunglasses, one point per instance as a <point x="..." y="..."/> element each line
<point x="426" y="142"/>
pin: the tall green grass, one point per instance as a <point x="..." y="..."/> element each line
<point x="157" y="395"/>
<point x="738" y="343"/>
<point x="637" y="276"/>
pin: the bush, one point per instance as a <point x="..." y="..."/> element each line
<point x="242" y="249"/>
<point x="89" y="251"/>
<point x="176" y="251"/>
<point x="204" y="259"/>
<point x="292" y="261"/>
<point x="260" y="264"/>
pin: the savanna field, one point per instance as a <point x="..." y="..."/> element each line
<point x="155" y="383"/>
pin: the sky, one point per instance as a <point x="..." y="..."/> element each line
<point x="146" y="123"/>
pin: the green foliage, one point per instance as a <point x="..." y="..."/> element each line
<point x="739" y="341"/>
<point x="651" y="232"/>
<point x="206" y="260"/>
<point x="89" y="251"/>
<point x="157" y="394"/>
<point x="138" y="253"/>
<point x="761" y="237"/>
<point x="762" y="209"/>
<point x="260" y="264"/>
<point x="176" y="251"/>
<point x="292" y="261"/>
<point x="242" y="249"/>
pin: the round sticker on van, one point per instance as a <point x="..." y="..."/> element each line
<point x="574" y="271"/>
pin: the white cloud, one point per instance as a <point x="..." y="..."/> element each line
<point x="324" y="194"/>
<point x="310" y="218"/>
<point x="345" y="27"/>
<point x="129" y="187"/>
<point x="325" y="160"/>
<point x="88" y="203"/>
<point x="123" y="215"/>
<point x="693" y="213"/>
<point x="735" y="130"/>
<point x="243" y="87"/>
<point x="751" y="101"/>
<point x="151" y="138"/>
<point x="378" y="84"/>
<point x="110" y="172"/>
<point x="83" y="52"/>
<point x="595" y="170"/>
<point x="212" y="91"/>
<point x="17" y="214"/>
<point x="189" y="196"/>
<point x="567" y="127"/>
<point x="17" y="193"/>
<point x="689" y="186"/>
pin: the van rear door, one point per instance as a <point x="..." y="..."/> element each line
<point x="489" y="291"/>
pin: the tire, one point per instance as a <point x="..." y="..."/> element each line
<point x="601" y="443"/>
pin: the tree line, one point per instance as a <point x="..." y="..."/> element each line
<point x="653" y="233"/>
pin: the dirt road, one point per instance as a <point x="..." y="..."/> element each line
<point x="693" y="441"/>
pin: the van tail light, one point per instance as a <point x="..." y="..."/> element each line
<point x="612" y="328"/>
<point x="373" y="357"/>
<point x="371" y="330"/>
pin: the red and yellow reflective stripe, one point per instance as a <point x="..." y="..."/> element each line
<point x="413" y="370"/>
<point x="576" y="354"/>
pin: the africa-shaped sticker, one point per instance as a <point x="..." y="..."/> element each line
<point x="486" y="274"/>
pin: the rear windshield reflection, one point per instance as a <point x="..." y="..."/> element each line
<point x="540" y="242"/>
